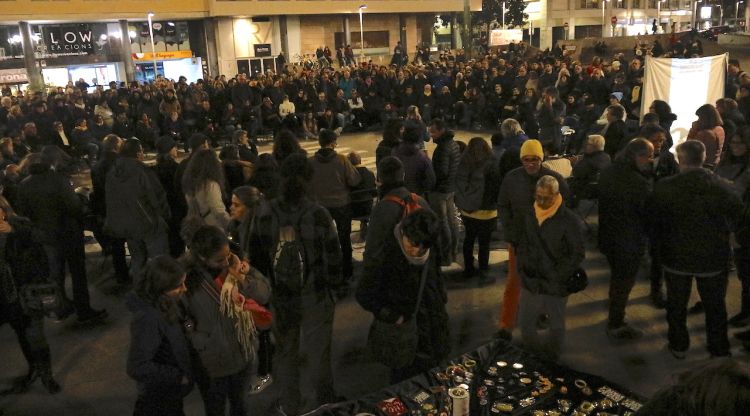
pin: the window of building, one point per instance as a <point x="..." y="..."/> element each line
<point x="620" y="4"/>
<point x="589" y="4"/>
<point x="373" y="39"/>
<point x="652" y="4"/>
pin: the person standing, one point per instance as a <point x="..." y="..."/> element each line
<point x="477" y="187"/>
<point x="295" y="244"/>
<point x="445" y="160"/>
<point x="158" y="357"/>
<point x="550" y="250"/>
<point x="622" y="228"/>
<point x="515" y="202"/>
<point x="166" y="169"/>
<point x="693" y="242"/>
<point x="137" y="208"/>
<point x="333" y="176"/>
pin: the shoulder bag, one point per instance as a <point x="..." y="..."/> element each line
<point x="577" y="281"/>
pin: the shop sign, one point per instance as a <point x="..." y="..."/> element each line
<point x="262" y="49"/>
<point x="62" y="39"/>
<point x="500" y="37"/>
<point x="13" y="76"/>
<point x="148" y="56"/>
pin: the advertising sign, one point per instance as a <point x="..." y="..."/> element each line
<point x="262" y="49"/>
<point x="499" y="37"/>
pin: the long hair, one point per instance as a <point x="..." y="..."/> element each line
<point x="203" y="167"/>
<point x="392" y="131"/>
<point x="161" y="274"/>
<point x="285" y="144"/>
<point x="708" y="117"/>
<point x="476" y="154"/>
<point x="296" y="172"/>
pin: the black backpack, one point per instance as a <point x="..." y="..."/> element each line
<point x="289" y="264"/>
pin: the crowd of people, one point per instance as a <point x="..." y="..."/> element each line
<point x="226" y="249"/>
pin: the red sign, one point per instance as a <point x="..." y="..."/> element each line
<point x="613" y="20"/>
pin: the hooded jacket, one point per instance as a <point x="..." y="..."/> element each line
<point x="136" y="202"/>
<point x="445" y="162"/>
<point x="333" y="176"/>
<point x="419" y="177"/>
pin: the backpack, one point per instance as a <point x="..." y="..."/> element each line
<point x="409" y="204"/>
<point x="288" y="257"/>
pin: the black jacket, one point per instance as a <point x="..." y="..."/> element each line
<point x="563" y="235"/>
<point x="158" y="357"/>
<point x="615" y="138"/>
<point x="445" y="163"/>
<point x="622" y="217"/>
<point x="47" y="199"/>
<point x="98" y="180"/>
<point x="696" y="210"/>
<point x="516" y="199"/>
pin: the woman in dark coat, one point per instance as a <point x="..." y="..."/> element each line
<point x="389" y="289"/>
<point x="23" y="261"/>
<point x="159" y="358"/>
<point x="392" y="133"/>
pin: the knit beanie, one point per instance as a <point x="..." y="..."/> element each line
<point x="532" y="147"/>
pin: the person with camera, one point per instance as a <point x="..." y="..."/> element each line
<point x="23" y="267"/>
<point x="159" y="357"/>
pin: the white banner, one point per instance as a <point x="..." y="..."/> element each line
<point x="685" y="84"/>
<point x="499" y="37"/>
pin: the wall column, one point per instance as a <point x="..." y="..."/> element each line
<point x="347" y="30"/>
<point x="212" y="50"/>
<point x="125" y="51"/>
<point x="33" y="71"/>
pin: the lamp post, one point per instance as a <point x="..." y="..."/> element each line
<point x="504" y="16"/>
<point x="737" y="12"/>
<point x="604" y="18"/>
<point x="721" y="14"/>
<point x="361" y="35"/>
<point x="153" y="49"/>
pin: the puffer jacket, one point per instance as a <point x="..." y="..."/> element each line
<point x="563" y="235"/>
<point x="445" y="163"/>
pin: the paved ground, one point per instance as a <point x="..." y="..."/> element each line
<point x="89" y="362"/>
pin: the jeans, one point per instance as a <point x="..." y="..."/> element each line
<point x="624" y="269"/>
<point x="216" y="391"/>
<point x="302" y="365"/>
<point x="72" y="253"/>
<point x="477" y="230"/>
<point x="342" y="216"/>
<point x="445" y="209"/>
<point x="143" y="249"/>
<point x="713" y="291"/>
<point x="533" y="305"/>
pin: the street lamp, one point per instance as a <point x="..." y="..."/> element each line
<point x="504" y="16"/>
<point x="151" y="34"/>
<point x="721" y="14"/>
<point x="737" y="12"/>
<point x="604" y="21"/>
<point x="361" y="35"/>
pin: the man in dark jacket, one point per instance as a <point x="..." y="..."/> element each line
<point x="115" y="246"/>
<point x="615" y="133"/>
<point x="137" y="208"/>
<point x="445" y="160"/>
<point x="586" y="171"/>
<point x="622" y="228"/>
<point x="550" y="251"/>
<point x="515" y="202"/>
<point x="419" y="176"/>
<point x="333" y="176"/>
<point x="47" y="199"/>
<point x="696" y="212"/>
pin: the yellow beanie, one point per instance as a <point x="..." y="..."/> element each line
<point x="532" y="147"/>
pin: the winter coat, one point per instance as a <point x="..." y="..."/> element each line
<point x="158" y="357"/>
<point x="136" y="202"/>
<point x="419" y="176"/>
<point x="696" y="210"/>
<point x="47" y="199"/>
<point x="98" y="180"/>
<point x="333" y="176"/>
<point x="563" y="235"/>
<point x="590" y="166"/>
<point x="516" y="199"/>
<point x="622" y="215"/>
<point x="207" y="203"/>
<point x="615" y="138"/>
<point x="384" y="150"/>
<point x="478" y="188"/>
<point x="445" y="163"/>
<point x="712" y="139"/>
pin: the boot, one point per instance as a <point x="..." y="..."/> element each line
<point x="21" y="384"/>
<point x="45" y="373"/>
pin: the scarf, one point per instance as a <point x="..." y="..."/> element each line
<point x="545" y="214"/>
<point x="243" y="319"/>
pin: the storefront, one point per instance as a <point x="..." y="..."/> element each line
<point x="171" y="65"/>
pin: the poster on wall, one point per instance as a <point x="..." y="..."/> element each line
<point x="685" y="84"/>
<point x="262" y="49"/>
<point x="500" y="37"/>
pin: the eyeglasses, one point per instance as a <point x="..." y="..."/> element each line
<point x="531" y="160"/>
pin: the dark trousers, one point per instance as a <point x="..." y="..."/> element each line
<point x="742" y="260"/>
<point x="72" y="254"/>
<point x="477" y="230"/>
<point x="166" y="401"/>
<point x="342" y="216"/>
<point x="216" y="391"/>
<point x="713" y="291"/>
<point x="30" y="334"/>
<point x="623" y="268"/>
<point x="265" y="353"/>
<point x="656" y="278"/>
<point x="116" y="248"/>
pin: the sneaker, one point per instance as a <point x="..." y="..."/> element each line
<point x="696" y="309"/>
<point x="91" y="315"/>
<point x="624" y="332"/>
<point x="680" y="355"/>
<point x="740" y="320"/>
<point x="261" y="384"/>
<point x="504" y="334"/>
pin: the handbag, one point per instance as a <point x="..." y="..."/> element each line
<point x="576" y="281"/>
<point x="41" y="298"/>
<point x="395" y="345"/>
